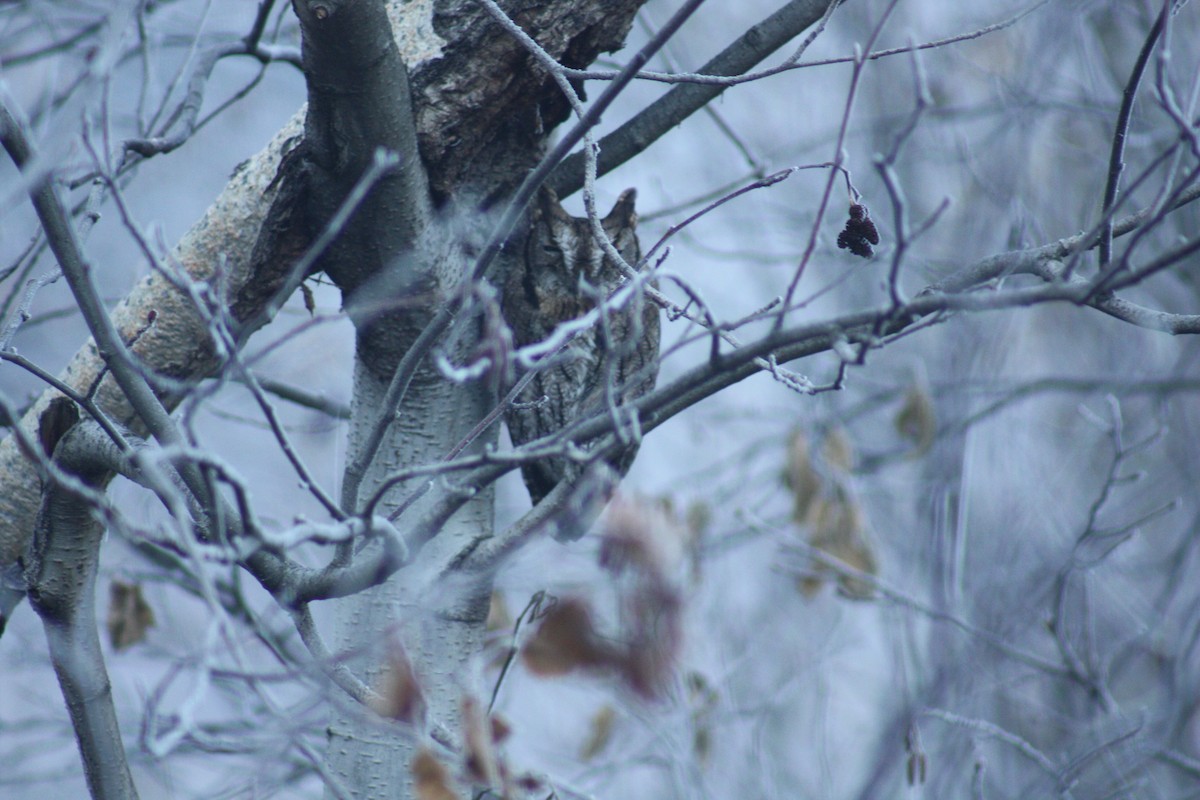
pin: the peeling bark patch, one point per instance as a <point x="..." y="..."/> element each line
<point x="484" y="109"/>
<point x="412" y="23"/>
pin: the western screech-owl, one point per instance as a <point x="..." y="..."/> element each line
<point x="563" y="274"/>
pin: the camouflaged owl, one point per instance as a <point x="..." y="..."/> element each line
<point x="563" y="273"/>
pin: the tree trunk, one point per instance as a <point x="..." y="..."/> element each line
<point x="438" y="621"/>
<point x="398" y="262"/>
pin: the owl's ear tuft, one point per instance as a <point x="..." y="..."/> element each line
<point x="623" y="214"/>
<point x="548" y="204"/>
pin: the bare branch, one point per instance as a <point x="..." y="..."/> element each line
<point x="1116" y="162"/>
<point x="758" y="42"/>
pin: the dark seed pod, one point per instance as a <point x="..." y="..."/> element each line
<point x="859" y="233"/>
<point x="855" y="244"/>
<point x="868" y="231"/>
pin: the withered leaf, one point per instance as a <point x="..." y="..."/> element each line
<point x="310" y="302"/>
<point x="839" y="529"/>
<point x="399" y="692"/>
<point x="599" y="733"/>
<point x="801" y="476"/>
<point x="430" y="778"/>
<point x="566" y="640"/>
<point x="916" y="421"/>
<point x="479" y="754"/>
<point x="129" y="615"/>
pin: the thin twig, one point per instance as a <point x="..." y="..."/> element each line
<point x="1116" y="159"/>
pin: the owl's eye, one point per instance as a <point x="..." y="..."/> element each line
<point x="551" y="249"/>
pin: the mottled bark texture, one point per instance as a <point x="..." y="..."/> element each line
<point x="482" y="127"/>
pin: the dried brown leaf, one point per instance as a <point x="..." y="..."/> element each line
<point x="399" y="692"/>
<point x="599" y="733"/>
<point x="499" y="618"/>
<point x="479" y="754"/>
<point x="654" y="621"/>
<point x="917" y="421"/>
<point x="838" y="450"/>
<point x="855" y="588"/>
<point x="838" y="528"/>
<point x="129" y="615"/>
<point x="310" y="302"/>
<point x="702" y="698"/>
<point x="640" y="535"/>
<point x="501" y="730"/>
<point x="801" y="476"/>
<point x="431" y="779"/>
<point x="702" y="743"/>
<point x="698" y="518"/>
<point x="566" y="640"/>
<point x="809" y="585"/>
<point x="834" y="521"/>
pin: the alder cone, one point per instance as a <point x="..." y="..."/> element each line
<point x="860" y="232"/>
